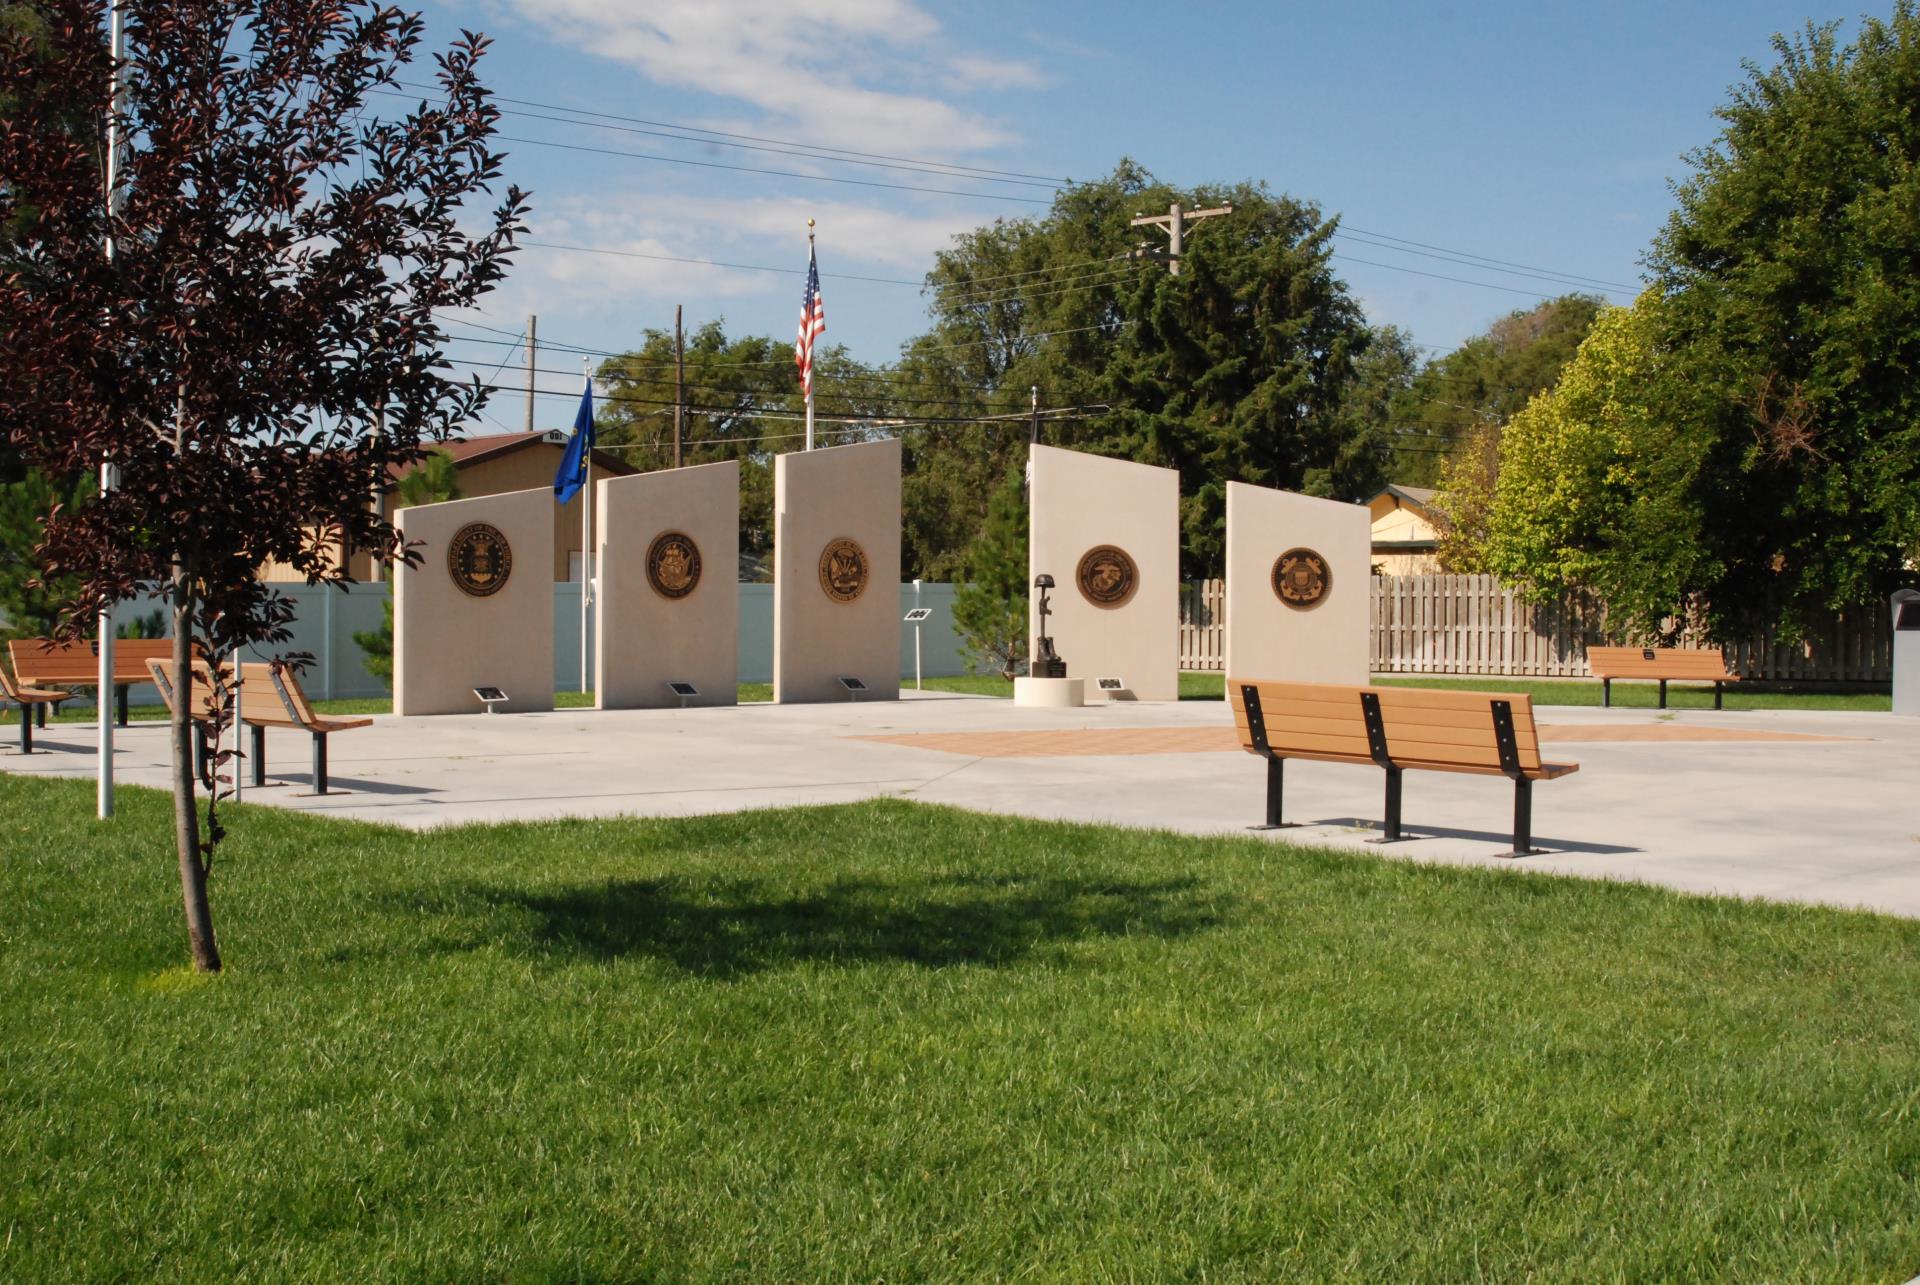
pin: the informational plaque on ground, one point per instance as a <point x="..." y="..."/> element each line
<point x="1110" y="684"/>
<point x="917" y="615"/>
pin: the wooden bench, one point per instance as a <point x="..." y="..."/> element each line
<point x="1685" y="664"/>
<point x="1398" y="729"/>
<point x="77" y="664"/>
<point x="30" y="700"/>
<point x="270" y="696"/>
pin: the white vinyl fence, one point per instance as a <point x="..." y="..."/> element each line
<point x="327" y="619"/>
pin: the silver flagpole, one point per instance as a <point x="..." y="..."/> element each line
<point x="104" y="693"/>
<point x="586" y="540"/>
<point x="808" y="322"/>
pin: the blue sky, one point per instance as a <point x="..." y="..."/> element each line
<point x="1542" y="134"/>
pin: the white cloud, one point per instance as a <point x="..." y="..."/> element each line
<point x="849" y="74"/>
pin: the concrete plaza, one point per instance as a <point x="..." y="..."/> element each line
<point x="1788" y="805"/>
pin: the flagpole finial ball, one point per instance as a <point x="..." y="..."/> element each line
<point x="809" y="222"/>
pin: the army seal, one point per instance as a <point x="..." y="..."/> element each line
<point x="1301" y="578"/>
<point x="843" y="570"/>
<point x="479" y="559"/>
<point x="1107" y="576"/>
<point x="673" y="564"/>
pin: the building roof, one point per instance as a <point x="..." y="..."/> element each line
<point x="1420" y="495"/>
<point x="467" y="451"/>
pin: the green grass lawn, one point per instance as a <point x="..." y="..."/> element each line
<point x="893" y="1042"/>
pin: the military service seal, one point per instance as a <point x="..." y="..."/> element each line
<point x="1107" y="576"/>
<point x="843" y="570"/>
<point x="479" y="559"/>
<point x="673" y="564"/>
<point x="1301" y="578"/>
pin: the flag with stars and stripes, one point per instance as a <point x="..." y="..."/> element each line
<point x="813" y="320"/>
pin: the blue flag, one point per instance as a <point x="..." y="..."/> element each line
<point x="572" y="476"/>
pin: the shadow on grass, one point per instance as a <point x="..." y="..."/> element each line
<point x="735" y="927"/>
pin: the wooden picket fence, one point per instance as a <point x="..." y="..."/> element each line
<point x="1448" y="624"/>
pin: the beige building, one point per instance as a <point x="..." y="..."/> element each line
<point x="1405" y="540"/>
<point x="501" y="464"/>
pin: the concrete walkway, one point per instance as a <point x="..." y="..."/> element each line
<point x="1797" y="806"/>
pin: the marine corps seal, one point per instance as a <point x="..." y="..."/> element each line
<point x="479" y="559"/>
<point x="843" y="570"/>
<point x="1301" y="578"/>
<point x="1107" y="576"/>
<point x="673" y="564"/>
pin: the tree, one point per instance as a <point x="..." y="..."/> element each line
<point x="990" y="604"/>
<point x="29" y="606"/>
<point x="1452" y="413"/>
<point x="281" y="252"/>
<point x="1786" y="270"/>
<point x="1240" y="368"/>
<point x="1597" y="485"/>
<point x="435" y="481"/>
<point x="1743" y="445"/>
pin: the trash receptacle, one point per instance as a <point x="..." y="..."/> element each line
<point x="1906" y="652"/>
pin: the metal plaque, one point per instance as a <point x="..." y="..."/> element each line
<point x="843" y="570"/>
<point x="1302" y="578"/>
<point x="479" y="559"/>
<point x="1107" y="576"/>
<point x="673" y="564"/>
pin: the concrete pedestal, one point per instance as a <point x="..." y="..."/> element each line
<point x="1050" y="693"/>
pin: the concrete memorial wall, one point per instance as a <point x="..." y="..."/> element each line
<point x="1108" y="532"/>
<point x="836" y="572"/>
<point x="668" y="593"/>
<point x="478" y="610"/>
<point x="1299" y="575"/>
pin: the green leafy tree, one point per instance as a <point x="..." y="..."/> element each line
<point x="31" y="601"/>
<point x="435" y="480"/>
<point x="1456" y="405"/>
<point x="1787" y="268"/>
<point x="990" y="604"/>
<point x="1598" y="480"/>
<point x="1239" y="368"/>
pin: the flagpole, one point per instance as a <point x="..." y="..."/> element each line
<point x="104" y="693"/>
<point x="586" y="541"/>
<point x="810" y="382"/>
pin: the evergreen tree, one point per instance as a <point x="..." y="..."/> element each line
<point x="990" y="605"/>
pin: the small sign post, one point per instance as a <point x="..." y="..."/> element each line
<point x="490" y="696"/>
<point x="915" y="618"/>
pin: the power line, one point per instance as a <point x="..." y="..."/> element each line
<point x="752" y="169"/>
<point x="959" y="170"/>
<point x="1484" y="259"/>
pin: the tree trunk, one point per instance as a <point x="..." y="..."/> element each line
<point x="186" y="810"/>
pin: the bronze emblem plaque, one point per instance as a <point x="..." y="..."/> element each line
<point x="1107" y="576"/>
<point x="1302" y="578"/>
<point x="673" y="564"/>
<point x="843" y="570"/>
<point x="479" y="559"/>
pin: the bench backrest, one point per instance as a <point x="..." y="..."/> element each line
<point x="200" y="699"/>
<point x="270" y="693"/>
<point x="1421" y="727"/>
<point x="1657" y="662"/>
<point x="37" y="661"/>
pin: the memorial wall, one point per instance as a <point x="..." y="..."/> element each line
<point x="836" y="573"/>
<point x="478" y="610"/>
<point x="1299" y="574"/>
<point x="668" y="600"/>
<point x="1108" y="532"/>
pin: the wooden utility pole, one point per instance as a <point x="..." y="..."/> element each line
<point x="679" y="385"/>
<point x="1174" y="223"/>
<point x="533" y="364"/>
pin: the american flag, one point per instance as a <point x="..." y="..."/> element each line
<point x="813" y="320"/>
